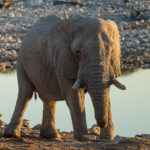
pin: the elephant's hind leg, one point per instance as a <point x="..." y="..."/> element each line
<point x="48" y="129"/>
<point x="24" y="95"/>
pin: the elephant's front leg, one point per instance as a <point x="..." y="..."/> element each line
<point x="48" y="129"/>
<point x="108" y="132"/>
<point x="75" y="102"/>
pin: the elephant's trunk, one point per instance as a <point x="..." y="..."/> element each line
<point x="100" y="101"/>
<point x="98" y="88"/>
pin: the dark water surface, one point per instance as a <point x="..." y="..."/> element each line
<point x="130" y="108"/>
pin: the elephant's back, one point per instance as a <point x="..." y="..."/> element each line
<point x="37" y="36"/>
<point x="43" y="26"/>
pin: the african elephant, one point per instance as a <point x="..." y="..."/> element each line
<point x="61" y="59"/>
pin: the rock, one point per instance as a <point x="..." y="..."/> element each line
<point x="3" y="67"/>
<point x="110" y="10"/>
<point x="68" y="2"/>
<point x="139" y="14"/>
<point x="89" y="137"/>
<point x="25" y="131"/>
<point x="145" y="136"/>
<point x="94" y="130"/>
<point x="26" y="123"/>
<point x="2" y="124"/>
<point x="132" y="18"/>
<point x="37" y="127"/>
<point x="127" y="1"/>
<point x="119" y="139"/>
<point x="1" y="115"/>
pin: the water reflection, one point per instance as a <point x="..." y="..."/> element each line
<point x="130" y="108"/>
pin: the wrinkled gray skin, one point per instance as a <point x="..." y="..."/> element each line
<point x="53" y="55"/>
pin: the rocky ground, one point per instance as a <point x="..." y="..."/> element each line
<point x="30" y="140"/>
<point x="132" y="18"/>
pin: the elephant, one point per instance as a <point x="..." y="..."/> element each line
<point x="61" y="59"/>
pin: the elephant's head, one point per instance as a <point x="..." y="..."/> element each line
<point x="87" y="50"/>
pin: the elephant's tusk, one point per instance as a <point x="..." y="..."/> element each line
<point x="77" y="84"/>
<point x="118" y="84"/>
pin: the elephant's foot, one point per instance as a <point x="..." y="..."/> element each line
<point x="12" y="131"/>
<point x="108" y="137"/>
<point x="50" y="134"/>
<point x="107" y="133"/>
<point x="81" y="136"/>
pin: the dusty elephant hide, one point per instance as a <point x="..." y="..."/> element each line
<point x="60" y="59"/>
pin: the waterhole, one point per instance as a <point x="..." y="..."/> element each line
<point x="130" y="108"/>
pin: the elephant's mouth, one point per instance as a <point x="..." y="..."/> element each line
<point x="115" y="82"/>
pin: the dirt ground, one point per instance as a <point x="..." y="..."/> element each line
<point x="30" y="139"/>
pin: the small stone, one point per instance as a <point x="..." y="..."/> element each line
<point x="119" y="139"/>
<point x="2" y="124"/>
<point x="89" y="137"/>
<point x="24" y="131"/>
<point x="94" y="130"/>
<point x="137" y="23"/>
<point x="26" y="123"/>
<point x="12" y="15"/>
<point x="137" y="41"/>
<point x="127" y="1"/>
<point x="142" y="21"/>
<point x="37" y="127"/>
<point x="142" y="64"/>
<point x="145" y="136"/>
<point x="3" y="67"/>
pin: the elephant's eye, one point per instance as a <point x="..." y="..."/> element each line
<point x="77" y="51"/>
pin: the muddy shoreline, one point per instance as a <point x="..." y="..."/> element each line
<point x="30" y="139"/>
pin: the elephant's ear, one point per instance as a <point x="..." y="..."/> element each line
<point x="60" y="56"/>
<point x="115" y="54"/>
